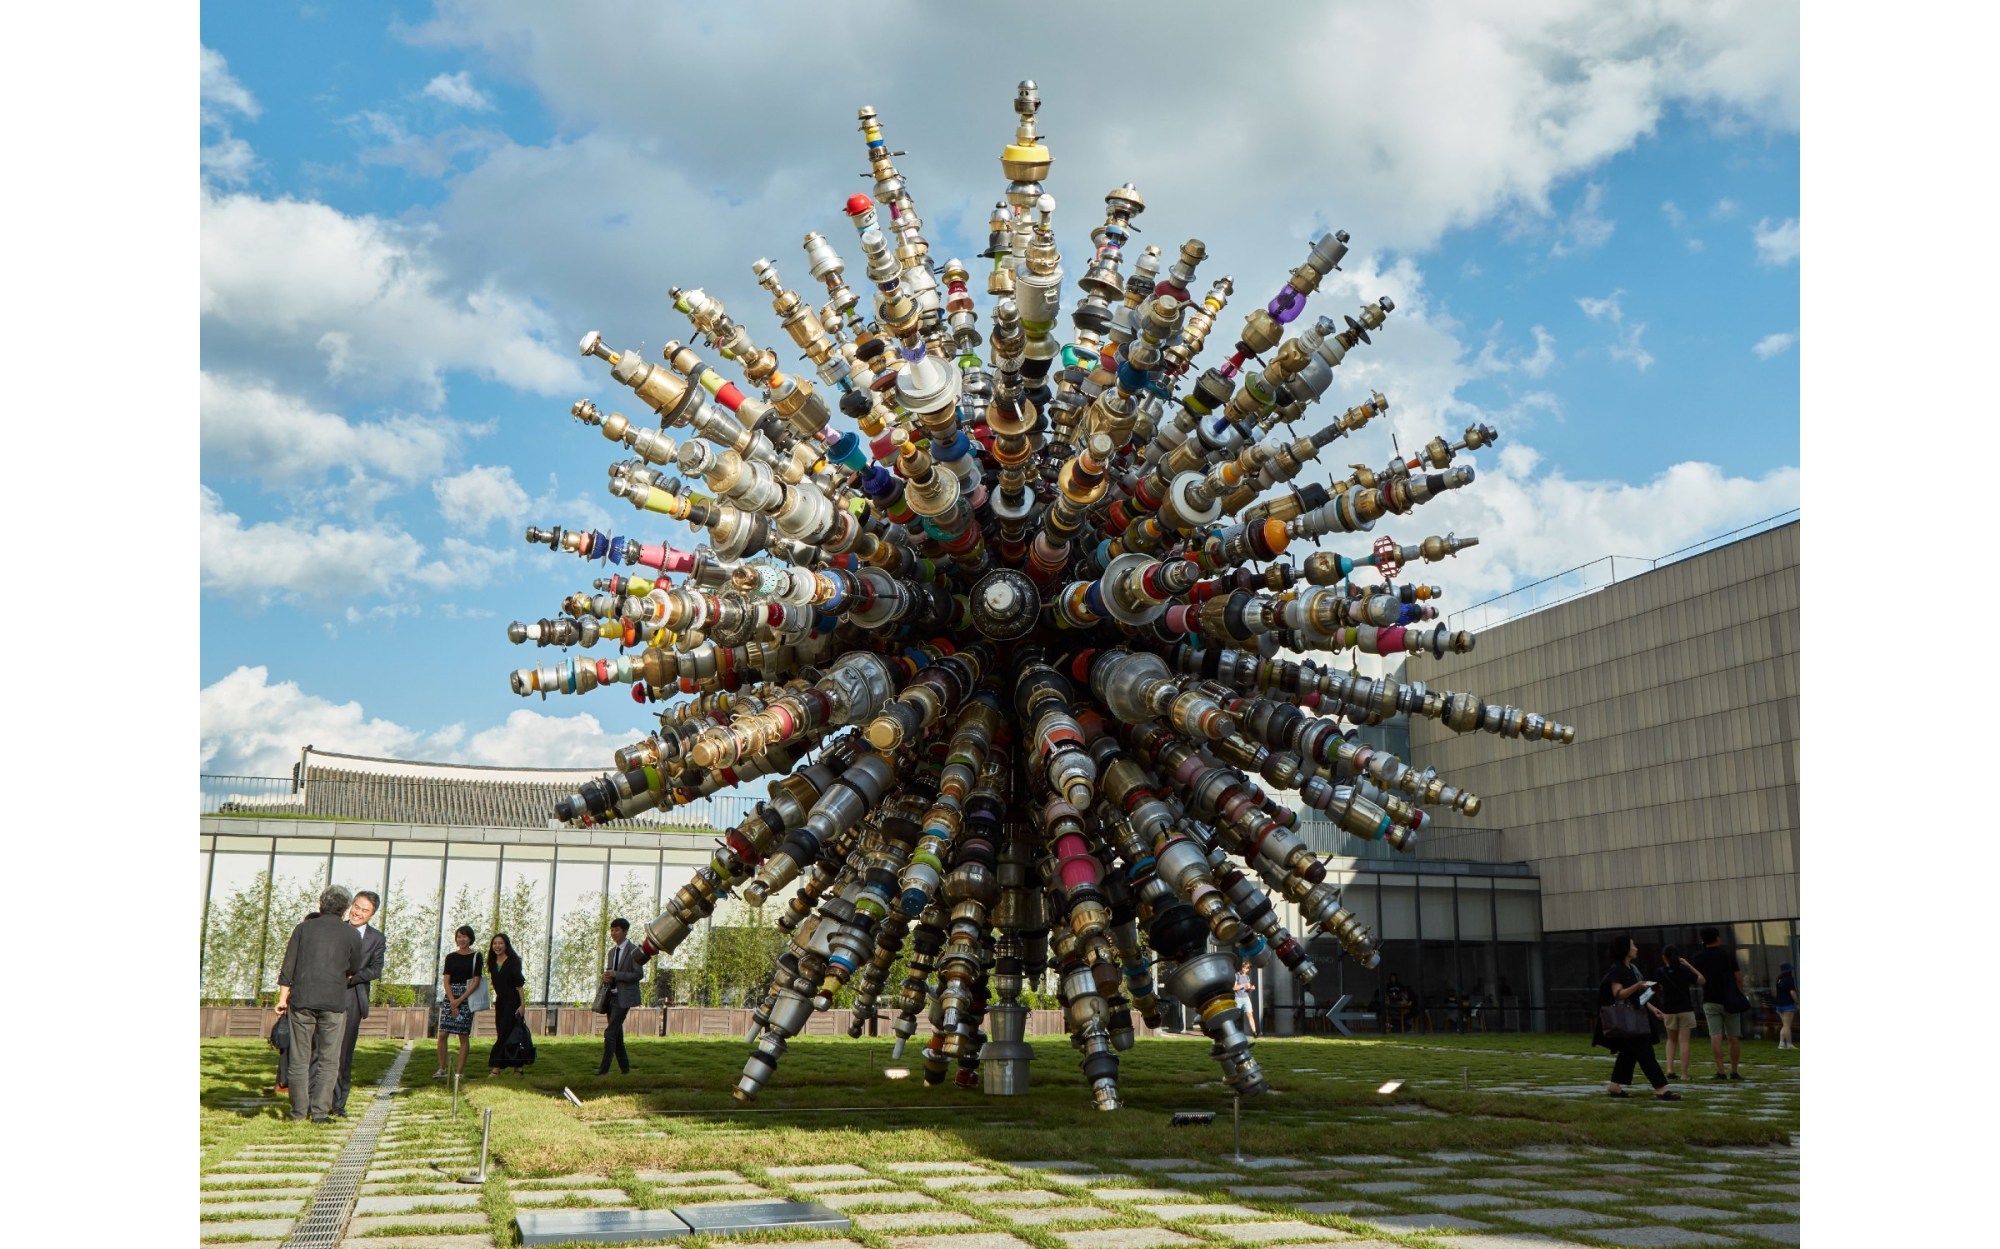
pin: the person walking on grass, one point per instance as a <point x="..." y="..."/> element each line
<point x="463" y="970"/>
<point x="1623" y="983"/>
<point x="321" y="958"/>
<point x="1788" y="1006"/>
<point x="1678" y="981"/>
<point x="1245" y="986"/>
<point x="1723" y="1003"/>
<point x="618" y="994"/>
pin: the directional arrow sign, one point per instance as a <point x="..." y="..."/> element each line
<point x="1339" y="1016"/>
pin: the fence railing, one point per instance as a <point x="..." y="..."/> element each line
<point x="424" y="800"/>
<point x="1606" y="570"/>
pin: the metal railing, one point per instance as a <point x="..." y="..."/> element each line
<point x="1606" y="570"/>
<point x="435" y="801"/>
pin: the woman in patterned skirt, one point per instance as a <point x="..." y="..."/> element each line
<point x="462" y="970"/>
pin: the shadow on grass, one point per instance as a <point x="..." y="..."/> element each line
<point x="831" y="1102"/>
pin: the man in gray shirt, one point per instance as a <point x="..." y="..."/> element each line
<point x="321" y="959"/>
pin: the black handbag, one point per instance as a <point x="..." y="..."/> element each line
<point x="1623" y="1021"/>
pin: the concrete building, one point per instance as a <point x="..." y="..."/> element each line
<point x="1678" y="804"/>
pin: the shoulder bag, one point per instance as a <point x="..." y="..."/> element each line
<point x="1624" y="1021"/>
<point x="479" y="999"/>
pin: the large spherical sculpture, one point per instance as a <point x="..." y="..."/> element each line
<point x="1006" y="630"/>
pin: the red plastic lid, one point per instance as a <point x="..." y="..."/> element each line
<point x="858" y="204"/>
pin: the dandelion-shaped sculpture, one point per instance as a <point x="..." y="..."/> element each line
<point x="1005" y="631"/>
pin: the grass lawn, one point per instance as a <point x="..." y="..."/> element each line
<point x="1477" y="1116"/>
<point x="829" y="1100"/>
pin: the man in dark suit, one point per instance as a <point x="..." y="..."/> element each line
<point x="359" y="986"/>
<point x="620" y="994"/>
<point x="321" y="960"/>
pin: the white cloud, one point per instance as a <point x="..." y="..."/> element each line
<point x="1533" y="522"/>
<point x="1493" y="359"/>
<point x="1520" y="101"/>
<point x="290" y="283"/>
<point x="1774" y="345"/>
<point x="457" y="90"/>
<point x="527" y="738"/>
<point x="1675" y="217"/>
<point x="220" y="90"/>
<point x="251" y="726"/>
<point x="482" y="494"/>
<point x="1587" y="227"/>
<point x="228" y="159"/>
<point x="1724" y="209"/>
<point x="1776" y="244"/>
<point x="325" y="565"/>
<point x="387" y="142"/>
<point x="249" y="426"/>
<point x="1627" y="347"/>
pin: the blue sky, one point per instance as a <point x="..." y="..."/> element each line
<point x="1589" y="221"/>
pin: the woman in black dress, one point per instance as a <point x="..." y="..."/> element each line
<point x="463" y="968"/>
<point x="504" y="966"/>
<point x="1624" y="983"/>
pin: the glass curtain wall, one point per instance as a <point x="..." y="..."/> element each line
<point x="521" y="910"/>
<point x="412" y="909"/>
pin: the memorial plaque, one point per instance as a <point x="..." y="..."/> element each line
<point x="723" y="1218"/>
<point x="561" y="1227"/>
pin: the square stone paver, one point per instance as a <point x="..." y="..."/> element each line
<point x="363" y="1224"/>
<point x="403" y="1205"/>
<point x="1351" y="1208"/>
<point x="292" y="1206"/>
<point x="1023" y="1197"/>
<point x="1790" y="1209"/>
<point x="1074" y="1168"/>
<point x="1160" y="1164"/>
<point x="1579" y="1196"/>
<point x="1041" y="1216"/>
<point x="1202" y="1177"/>
<point x="1788" y="1233"/>
<point x="470" y="1241"/>
<point x="712" y="1192"/>
<point x="1262" y="1164"/>
<point x="891" y="1197"/>
<point x="837" y="1186"/>
<point x="1560" y="1216"/>
<point x="1447" y="1156"/>
<point x="1680" y="1214"/>
<point x="1427" y="1222"/>
<point x="1328" y="1173"/>
<point x="1274" y="1233"/>
<point x="557" y="1196"/>
<point x="904" y="1220"/>
<point x="267" y="1178"/>
<point x="1384" y="1188"/>
<point x="934" y="1168"/>
<point x="1497" y="1183"/>
<point x="1465" y="1201"/>
<point x="957" y="1181"/>
<point x="1141" y="1194"/>
<point x="576" y="1179"/>
<point x="1204" y="1210"/>
<point x="1659" y="1237"/>
<point x="1425" y="1173"/>
<point x="1510" y="1240"/>
<point x="679" y="1179"/>
<point x="249" y="1227"/>
<point x="961" y="1240"/>
<point x="1363" y="1160"/>
<point x="824" y="1171"/>
<point x="1268" y="1190"/>
<point x="1125" y="1238"/>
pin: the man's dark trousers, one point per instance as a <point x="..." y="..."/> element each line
<point x="315" y="1059"/>
<point x="614" y="1040"/>
<point x="372" y="943"/>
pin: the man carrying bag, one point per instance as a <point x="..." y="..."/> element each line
<point x="617" y="993"/>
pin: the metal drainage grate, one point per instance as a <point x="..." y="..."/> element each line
<point x="324" y="1220"/>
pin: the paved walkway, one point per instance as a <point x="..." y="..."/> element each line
<point x="1525" y="1199"/>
